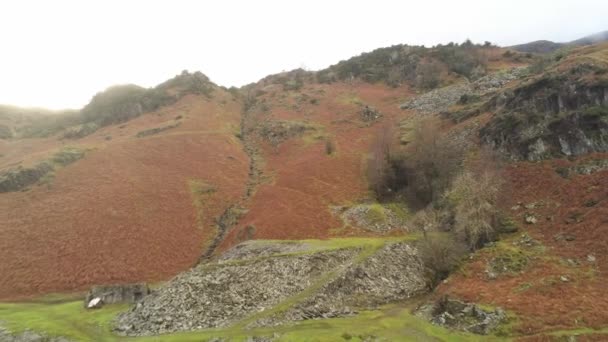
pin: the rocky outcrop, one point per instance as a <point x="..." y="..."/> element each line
<point x="438" y="100"/>
<point x="557" y="114"/>
<point x="441" y="99"/>
<point x="458" y="315"/>
<point x="156" y="130"/>
<point x="372" y="217"/>
<point x="113" y="294"/>
<point x="369" y="114"/>
<point x="278" y="131"/>
<point x="21" y="177"/>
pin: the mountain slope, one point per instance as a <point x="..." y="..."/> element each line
<point x="546" y="46"/>
<point x="133" y="208"/>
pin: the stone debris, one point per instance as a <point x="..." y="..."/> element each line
<point x="393" y="273"/>
<point x="372" y="217"/>
<point x="221" y="293"/>
<point x="113" y="294"/>
<point x="278" y="131"/>
<point x="257" y="249"/>
<point x="438" y="100"/>
<point x="217" y="295"/>
<point x="458" y="315"/>
<point x="28" y="336"/>
<point x="441" y="99"/>
<point x="530" y="219"/>
<point x="369" y="114"/>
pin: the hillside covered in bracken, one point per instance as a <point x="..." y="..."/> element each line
<point x="454" y="192"/>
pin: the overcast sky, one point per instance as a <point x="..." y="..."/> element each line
<point x="58" y="54"/>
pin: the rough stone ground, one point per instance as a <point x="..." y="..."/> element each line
<point x="217" y="295"/>
<point x="393" y="273"/>
<point x="27" y="336"/>
<point x="441" y="99"/>
<point x="256" y="249"/>
<point x="251" y="278"/>
<point x="462" y="316"/>
<point x="366" y="216"/>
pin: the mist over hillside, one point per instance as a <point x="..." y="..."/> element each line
<point x="447" y="192"/>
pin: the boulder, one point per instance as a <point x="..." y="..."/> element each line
<point x="113" y="294"/>
<point x="95" y="303"/>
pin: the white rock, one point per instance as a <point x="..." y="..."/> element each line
<point x="95" y="303"/>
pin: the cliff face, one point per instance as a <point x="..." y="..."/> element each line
<point x="556" y="114"/>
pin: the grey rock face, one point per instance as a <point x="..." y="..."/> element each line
<point x="554" y="115"/>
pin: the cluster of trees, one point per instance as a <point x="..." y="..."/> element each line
<point x="416" y="65"/>
<point x="114" y="105"/>
<point x="457" y="205"/>
<point x="122" y="103"/>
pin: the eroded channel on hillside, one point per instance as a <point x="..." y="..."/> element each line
<point x="230" y="217"/>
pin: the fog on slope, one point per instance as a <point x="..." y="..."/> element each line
<point x="86" y="47"/>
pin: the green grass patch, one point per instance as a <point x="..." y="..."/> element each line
<point x="400" y="210"/>
<point x="375" y="214"/>
<point x="68" y="319"/>
<point x="71" y="320"/>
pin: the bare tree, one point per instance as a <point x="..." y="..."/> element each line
<point x="379" y="170"/>
<point x="432" y="162"/>
<point x="474" y="197"/>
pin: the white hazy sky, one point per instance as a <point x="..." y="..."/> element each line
<point x="58" y="54"/>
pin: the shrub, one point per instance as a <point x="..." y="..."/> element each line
<point x="474" y="198"/>
<point x="428" y="75"/>
<point x="440" y="253"/>
<point x="329" y="147"/>
<point x="80" y="131"/>
<point x="423" y="174"/>
<point x="431" y="164"/>
<point x="384" y="168"/>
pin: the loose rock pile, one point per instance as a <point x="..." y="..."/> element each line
<point x="393" y="273"/>
<point x="438" y="100"/>
<point x="28" y="336"/>
<point x="256" y="249"/>
<point x="216" y="295"/>
<point x="441" y="99"/>
<point x="369" y="114"/>
<point x="462" y="316"/>
<point x="371" y="217"/>
<point x="252" y="278"/>
<point x="278" y="131"/>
